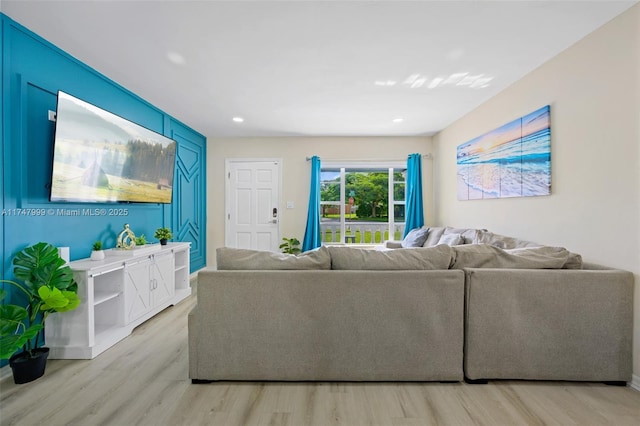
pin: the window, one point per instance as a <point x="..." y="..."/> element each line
<point x="362" y="203"/>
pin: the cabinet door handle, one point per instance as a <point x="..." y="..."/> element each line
<point x="128" y="264"/>
<point x="97" y="274"/>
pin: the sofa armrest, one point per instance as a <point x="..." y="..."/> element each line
<point x="548" y="324"/>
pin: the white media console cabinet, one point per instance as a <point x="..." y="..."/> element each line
<point x="118" y="293"/>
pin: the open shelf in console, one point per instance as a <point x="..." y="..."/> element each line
<point x="108" y="293"/>
<point x="181" y="269"/>
<point x="101" y="297"/>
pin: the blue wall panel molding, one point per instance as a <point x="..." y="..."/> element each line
<point x="189" y="215"/>
<point x="3" y="48"/>
<point x="33" y="70"/>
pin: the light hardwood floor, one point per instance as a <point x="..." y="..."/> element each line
<point x="143" y="380"/>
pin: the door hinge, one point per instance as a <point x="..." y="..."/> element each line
<point x="228" y="175"/>
<point x="228" y="216"/>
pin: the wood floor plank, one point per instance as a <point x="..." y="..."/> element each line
<point x="143" y="380"/>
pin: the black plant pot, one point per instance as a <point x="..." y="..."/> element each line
<point x="163" y="242"/>
<point x="26" y="369"/>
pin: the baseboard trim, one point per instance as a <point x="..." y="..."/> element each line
<point x="635" y="382"/>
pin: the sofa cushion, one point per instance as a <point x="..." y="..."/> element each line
<point x="497" y="240"/>
<point x="470" y="235"/>
<point x="243" y="259"/>
<point x="421" y="258"/>
<point x="451" y="239"/>
<point x="415" y="238"/>
<point x="488" y="256"/>
<point x="434" y="236"/>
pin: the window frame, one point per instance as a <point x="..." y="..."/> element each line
<point x="343" y="166"/>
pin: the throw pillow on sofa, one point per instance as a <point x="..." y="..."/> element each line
<point x="435" y="232"/>
<point x="451" y="239"/>
<point x="415" y="238"/>
<point x="469" y="235"/>
<point x="243" y="259"/>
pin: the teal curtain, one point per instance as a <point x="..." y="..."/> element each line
<point x="312" y="232"/>
<point x="414" y="214"/>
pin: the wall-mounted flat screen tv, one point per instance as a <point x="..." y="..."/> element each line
<point x="99" y="157"/>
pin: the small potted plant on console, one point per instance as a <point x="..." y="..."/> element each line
<point x="163" y="234"/>
<point x="96" y="252"/>
<point x="141" y="240"/>
<point x="47" y="284"/>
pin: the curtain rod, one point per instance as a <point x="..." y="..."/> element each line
<point x="427" y="156"/>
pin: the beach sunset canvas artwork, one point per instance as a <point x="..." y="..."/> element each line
<point x="511" y="161"/>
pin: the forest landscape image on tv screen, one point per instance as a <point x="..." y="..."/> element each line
<point x="101" y="157"/>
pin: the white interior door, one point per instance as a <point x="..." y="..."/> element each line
<point x="253" y="204"/>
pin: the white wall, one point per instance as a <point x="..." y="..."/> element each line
<point x="593" y="88"/>
<point x="296" y="172"/>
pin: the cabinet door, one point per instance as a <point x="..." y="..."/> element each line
<point x="163" y="279"/>
<point x="137" y="290"/>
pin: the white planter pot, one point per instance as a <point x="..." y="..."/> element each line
<point x="97" y="255"/>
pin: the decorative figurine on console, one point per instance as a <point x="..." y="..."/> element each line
<point x="126" y="239"/>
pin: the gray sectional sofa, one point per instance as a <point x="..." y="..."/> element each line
<point x="490" y="307"/>
<point x="328" y="325"/>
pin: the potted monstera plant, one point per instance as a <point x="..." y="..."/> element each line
<point x="47" y="284"/>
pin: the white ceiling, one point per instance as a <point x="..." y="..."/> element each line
<point x="310" y="67"/>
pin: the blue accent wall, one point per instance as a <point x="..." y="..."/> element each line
<point x="33" y="70"/>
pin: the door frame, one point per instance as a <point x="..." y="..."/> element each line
<point x="227" y="191"/>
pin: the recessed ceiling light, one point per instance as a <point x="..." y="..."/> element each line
<point x="385" y="83"/>
<point x="398" y="120"/>
<point x="175" y="58"/>
<point x="238" y="119"/>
